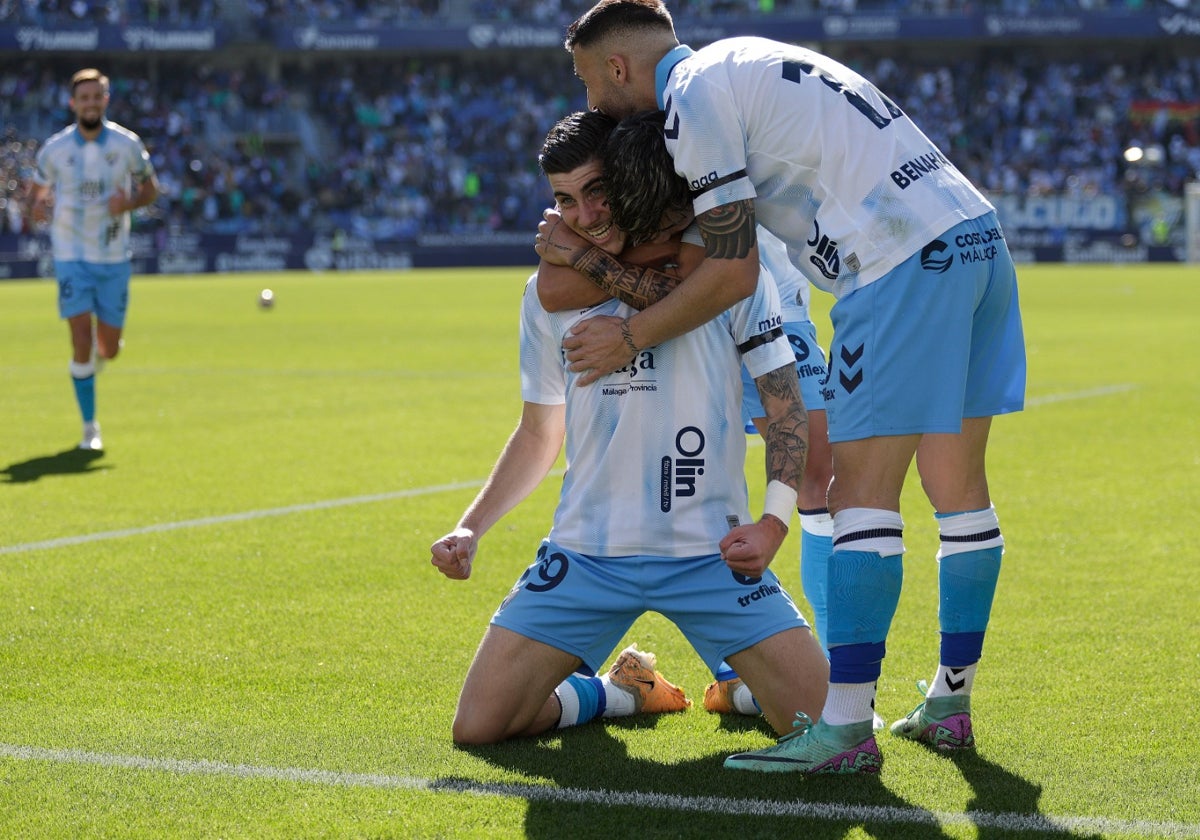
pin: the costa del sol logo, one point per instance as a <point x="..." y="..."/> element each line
<point x="932" y="259"/>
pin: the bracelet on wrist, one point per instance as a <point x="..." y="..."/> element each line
<point x="627" y="336"/>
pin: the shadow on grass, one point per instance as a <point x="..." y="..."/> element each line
<point x="1005" y="805"/>
<point x="68" y="462"/>
<point x="599" y="790"/>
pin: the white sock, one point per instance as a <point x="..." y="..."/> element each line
<point x="568" y="699"/>
<point x="743" y="700"/>
<point x="952" y="682"/>
<point x="617" y="701"/>
<point x="849" y="703"/>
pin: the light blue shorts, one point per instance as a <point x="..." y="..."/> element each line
<point x="102" y="288"/>
<point x="810" y="367"/>
<point x="584" y="605"/>
<point x="936" y="340"/>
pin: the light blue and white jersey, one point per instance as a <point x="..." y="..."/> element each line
<point x="655" y="451"/>
<point x="791" y="282"/>
<point x="837" y="171"/>
<point x="773" y="256"/>
<point x="83" y="175"/>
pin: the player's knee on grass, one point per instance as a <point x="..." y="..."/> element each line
<point x="475" y="725"/>
<point x="492" y="717"/>
<point x="787" y="673"/>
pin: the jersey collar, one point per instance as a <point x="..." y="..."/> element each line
<point x="100" y="137"/>
<point x="665" y="65"/>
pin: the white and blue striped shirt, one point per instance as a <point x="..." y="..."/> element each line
<point x="83" y="174"/>
<point x="835" y="168"/>
<point x="655" y="451"/>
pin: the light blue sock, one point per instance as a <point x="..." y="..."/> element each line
<point x="816" y="544"/>
<point x="866" y="572"/>
<point x="967" y="587"/>
<point x="83" y="376"/>
<point x="968" y="570"/>
<point x="581" y="698"/>
<point x="724" y="672"/>
<point x="864" y="591"/>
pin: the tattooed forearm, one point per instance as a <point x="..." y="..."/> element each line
<point x="786" y="437"/>
<point x="638" y="287"/>
<point x="728" y="230"/>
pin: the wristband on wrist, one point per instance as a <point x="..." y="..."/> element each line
<point x="780" y="502"/>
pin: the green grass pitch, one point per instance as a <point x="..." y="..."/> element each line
<point x="227" y="625"/>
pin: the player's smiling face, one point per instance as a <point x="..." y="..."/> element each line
<point x="580" y="198"/>
<point x="89" y="101"/>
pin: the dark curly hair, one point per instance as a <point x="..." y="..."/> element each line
<point x="640" y="178"/>
<point x="574" y="140"/>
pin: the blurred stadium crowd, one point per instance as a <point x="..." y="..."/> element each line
<point x="367" y="12"/>
<point x="396" y="148"/>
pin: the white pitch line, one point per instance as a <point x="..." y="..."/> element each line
<point x="60" y="542"/>
<point x="831" y="812"/>
<point x="236" y="517"/>
<point x="1102" y="391"/>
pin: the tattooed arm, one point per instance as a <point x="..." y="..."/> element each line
<point x="643" y="274"/>
<point x="786" y="435"/>
<point x="728" y="273"/>
<point x="637" y="286"/>
<point x="749" y="549"/>
<point x="560" y="287"/>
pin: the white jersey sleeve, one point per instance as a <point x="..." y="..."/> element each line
<point x="83" y="175"/>
<point x="543" y="370"/>
<point x="773" y="256"/>
<point x="791" y="282"/>
<point x="655" y="451"/>
<point x="836" y="170"/>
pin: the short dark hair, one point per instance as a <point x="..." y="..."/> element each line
<point x="88" y="74"/>
<point x="609" y="16"/>
<point x="574" y="140"/>
<point x="639" y="177"/>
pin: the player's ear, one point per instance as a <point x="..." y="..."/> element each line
<point x="618" y="68"/>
